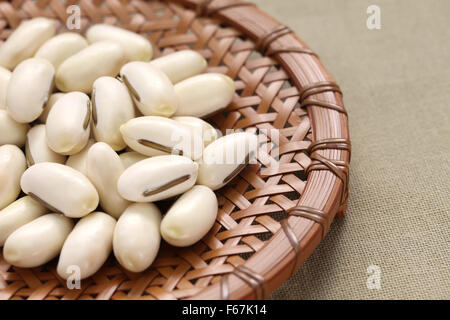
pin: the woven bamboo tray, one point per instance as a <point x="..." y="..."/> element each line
<point x="270" y="218"/>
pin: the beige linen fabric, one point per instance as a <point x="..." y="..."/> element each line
<point x="396" y="84"/>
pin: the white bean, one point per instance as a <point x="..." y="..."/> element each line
<point x="104" y="168"/>
<point x="88" y="246"/>
<point x="68" y="123"/>
<point x="181" y="65"/>
<point x="190" y="217"/>
<point x="30" y="86"/>
<point x="111" y="107"/>
<point x="12" y="166"/>
<point x="17" y="214"/>
<point x="136" y="47"/>
<point x="150" y="88"/>
<point x="204" y="95"/>
<point x="78" y="161"/>
<point x="61" y="47"/>
<point x="225" y="158"/>
<point x="60" y="188"/>
<point x="48" y="106"/>
<point x="136" y="236"/>
<point x="206" y="130"/>
<point x="37" y="150"/>
<point x="25" y="40"/>
<point x="38" y="241"/>
<point x="78" y="72"/>
<point x="131" y="157"/>
<point x="11" y="131"/>
<point x="5" y="76"/>
<point x="153" y="135"/>
<point x="157" y="178"/>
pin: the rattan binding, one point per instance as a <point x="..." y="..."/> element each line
<point x="270" y="218"/>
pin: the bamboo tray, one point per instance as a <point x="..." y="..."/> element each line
<point x="270" y="218"/>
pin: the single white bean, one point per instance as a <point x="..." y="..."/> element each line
<point x="204" y="95"/>
<point x="136" y="47"/>
<point x="131" y="157"/>
<point x="5" y="76"/>
<point x="48" y="106"/>
<point x="111" y="107"/>
<point x="12" y="166"/>
<point x="30" y="86"/>
<point x="136" y="236"/>
<point x="61" y="47"/>
<point x="37" y="150"/>
<point x="104" y="168"/>
<point x="38" y="241"/>
<point x="153" y="135"/>
<point x="11" y="131"/>
<point x="190" y="218"/>
<point x="68" y="123"/>
<point x="150" y="88"/>
<point x="60" y="188"/>
<point x="157" y="178"/>
<point x="225" y="158"/>
<point x="78" y="161"/>
<point x="78" y="72"/>
<point x="25" y="40"/>
<point x="88" y="246"/>
<point x="181" y="65"/>
<point x="207" y="131"/>
<point x="17" y="214"/>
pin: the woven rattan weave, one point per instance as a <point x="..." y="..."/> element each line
<point x="270" y="218"/>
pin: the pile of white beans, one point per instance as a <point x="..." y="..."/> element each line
<point x="87" y="127"/>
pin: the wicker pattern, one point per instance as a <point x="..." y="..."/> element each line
<point x="254" y="245"/>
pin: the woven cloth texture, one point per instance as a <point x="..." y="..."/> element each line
<point x="396" y="84"/>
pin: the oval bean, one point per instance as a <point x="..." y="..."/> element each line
<point x="190" y="218"/>
<point x="78" y="72"/>
<point x="181" y="65"/>
<point x="12" y="166"/>
<point x="37" y="150"/>
<point x="153" y="135"/>
<point x="207" y="131"/>
<point x="29" y="88"/>
<point x="225" y="158"/>
<point x="104" y="168"/>
<point x="38" y="241"/>
<point x="17" y="214"/>
<point x="61" y="47"/>
<point x="48" y="106"/>
<point x="150" y="88"/>
<point x="5" y="76"/>
<point x="60" y="188"/>
<point x="68" y="123"/>
<point x="88" y="246"/>
<point x="157" y="178"/>
<point x="11" y="131"/>
<point x="25" y="40"/>
<point x="111" y="107"/>
<point x="204" y="95"/>
<point x="78" y="161"/>
<point x="136" y="47"/>
<point x="131" y="157"/>
<point x="136" y="236"/>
